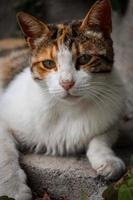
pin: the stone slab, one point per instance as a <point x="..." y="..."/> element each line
<point x="67" y="176"/>
<point x="71" y="177"/>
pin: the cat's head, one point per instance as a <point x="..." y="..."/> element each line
<point x="66" y="58"/>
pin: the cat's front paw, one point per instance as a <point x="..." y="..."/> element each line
<point x="17" y="191"/>
<point x="110" y="167"/>
<point x="15" y="187"/>
<point x="24" y="193"/>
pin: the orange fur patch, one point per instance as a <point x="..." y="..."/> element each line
<point x="39" y="71"/>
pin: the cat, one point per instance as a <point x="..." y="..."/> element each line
<point x="68" y="100"/>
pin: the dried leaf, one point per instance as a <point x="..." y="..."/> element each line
<point x="65" y="198"/>
<point x="46" y="197"/>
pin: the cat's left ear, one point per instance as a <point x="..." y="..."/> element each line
<point x="32" y="28"/>
<point x="99" y="16"/>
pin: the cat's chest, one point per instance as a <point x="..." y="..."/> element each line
<point x="66" y="132"/>
<point x="58" y="133"/>
<point x="59" y="130"/>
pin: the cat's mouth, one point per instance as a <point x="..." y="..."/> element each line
<point x="71" y="97"/>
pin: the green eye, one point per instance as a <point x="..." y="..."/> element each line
<point x="84" y="59"/>
<point x="49" y="64"/>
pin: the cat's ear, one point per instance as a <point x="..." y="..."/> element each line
<point x="32" y="28"/>
<point x="100" y="16"/>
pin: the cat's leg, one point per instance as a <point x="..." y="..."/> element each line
<point x="12" y="177"/>
<point x="102" y="158"/>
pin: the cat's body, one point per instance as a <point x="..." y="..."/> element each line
<point x="63" y="128"/>
<point x="71" y="100"/>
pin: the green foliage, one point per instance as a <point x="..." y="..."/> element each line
<point x="123" y="188"/>
<point x="110" y="193"/>
<point x="6" y="198"/>
<point x="125" y="192"/>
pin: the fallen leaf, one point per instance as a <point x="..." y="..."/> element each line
<point x="65" y="198"/>
<point x="46" y="197"/>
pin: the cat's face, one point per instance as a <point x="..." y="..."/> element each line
<point x="67" y="58"/>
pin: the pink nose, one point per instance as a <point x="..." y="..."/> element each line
<point x="67" y="85"/>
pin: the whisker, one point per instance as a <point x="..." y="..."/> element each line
<point x="94" y="100"/>
<point x="96" y="96"/>
<point x="104" y="94"/>
<point x="101" y="90"/>
<point x="99" y="84"/>
<point x="107" y="96"/>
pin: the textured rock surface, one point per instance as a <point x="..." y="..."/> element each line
<point x="71" y="177"/>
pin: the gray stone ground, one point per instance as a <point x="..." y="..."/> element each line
<point x="71" y="177"/>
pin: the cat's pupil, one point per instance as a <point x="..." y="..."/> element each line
<point x="82" y="60"/>
<point x="49" y="64"/>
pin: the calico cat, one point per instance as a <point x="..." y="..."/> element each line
<point x="69" y="99"/>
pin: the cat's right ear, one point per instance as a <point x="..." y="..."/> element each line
<point x="32" y="28"/>
<point x="99" y="16"/>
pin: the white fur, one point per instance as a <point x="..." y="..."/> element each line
<point x="94" y="34"/>
<point x="42" y="115"/>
